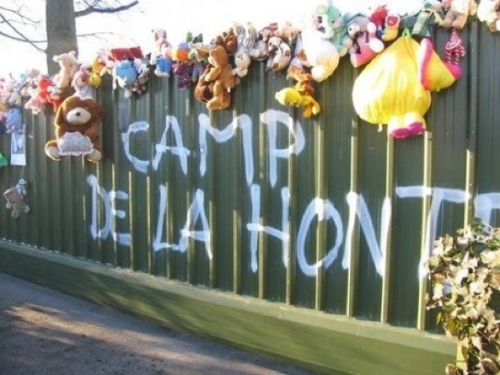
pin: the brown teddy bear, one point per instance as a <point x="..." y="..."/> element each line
<point x="15" y="199"/>
<point x="218" y="78"/>
<point x="76" y="129"/>
<point x="457" y="13"/>
<point x="227" y="39"/>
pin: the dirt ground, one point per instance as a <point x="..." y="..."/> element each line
<point x="44" y="332"/>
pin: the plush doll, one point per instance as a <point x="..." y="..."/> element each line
<point x="163" y="66"/>
<point x="199" y="57"/>
<point x="389" y="91"/>
<point x="430" y="14"/>
<point x="14" y="120"/>
<point x="68" y="66"/>
<point x="125" y="53"/>
<point x="242" y="62"/>
<point x="142" y="67"/>
<point x="183" y="66"/>
<point x="341" y="39"/>
<point x="44" y="87"/>
<point x="298" y="64"/>
<point x="488" y="11"/>
<point x="320" y="54"/>
<point x="288" y="32"/>
<point x="260" y="51"/>
<point x="378" y="16"/>
<point x="366" y="45"/>
<point x="15" y="199"/>
<point x="76" y="130"/>
<point x="15" y="99"/>
<point x="80" y="83"/>
<point x="220" y="75"/>
<point x="324" y="18"/>
<point x="203" y="91"/>
<point x="290" y="96"/>
<point x="161" y="45"/>
<point x="228" y="40"/>
<point x="124" y="76"/>
<point x="457" y="12"/>
<point x="24" y="80"/>
<point x="454" y="50"/>
<point x="95" y="71"/>
<point x="35" y="104"/>
<point x="279" y="54"/>
<point x="247" y="38"/>
<point x="391" y="27"/>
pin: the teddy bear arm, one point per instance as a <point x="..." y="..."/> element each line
<point x="92" y="131"/>
<point x="213" y="74"/>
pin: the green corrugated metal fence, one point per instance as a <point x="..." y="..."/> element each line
<point x="328" y="214"/>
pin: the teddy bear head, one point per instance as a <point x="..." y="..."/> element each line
<point x="228" y="40"/>
<point x="218" y="56"/>
<point x="75" y="111"/>
<point x="242" y="60"/>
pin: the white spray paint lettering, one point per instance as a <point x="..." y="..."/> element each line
<point x="322" y="209"/>
<point x="110" y="211"/>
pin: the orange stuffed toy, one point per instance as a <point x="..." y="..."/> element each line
<point x="76" y="129"/>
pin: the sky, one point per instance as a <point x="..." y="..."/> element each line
<point x="133" y="27"/>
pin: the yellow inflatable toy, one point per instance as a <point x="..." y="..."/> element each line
<point x="389" y="90"/>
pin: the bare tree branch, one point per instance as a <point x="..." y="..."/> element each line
<point x="19" y="14"/>
<point x="18" y="36"/>
<point x="91" y="8"/>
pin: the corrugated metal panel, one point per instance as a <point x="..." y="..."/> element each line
<point x="277" y="192"/>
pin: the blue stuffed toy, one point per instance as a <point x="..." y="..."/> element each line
<point x="163" y="66"/>
<point x="125" y="75"/>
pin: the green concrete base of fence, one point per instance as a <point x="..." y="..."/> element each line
<point x="322" y="342"/>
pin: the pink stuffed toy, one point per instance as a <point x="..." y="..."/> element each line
<point x="366" y="45"/>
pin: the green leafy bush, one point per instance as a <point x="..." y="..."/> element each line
<point x="464" y="271"/>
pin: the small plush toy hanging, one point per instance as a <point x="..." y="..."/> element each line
<point x="301" y="95"/>
<point x="389" y="91"/>
<point x="454" y="50"/>
<point x="488" y="11"/>
<point x="76" y="129"/>
<point x="15" y="199"/>
<point x="457" y="13"/>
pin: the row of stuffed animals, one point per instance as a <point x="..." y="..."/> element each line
<point x="308" y="54"/>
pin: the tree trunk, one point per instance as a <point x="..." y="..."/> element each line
<point x="61" y="30"/>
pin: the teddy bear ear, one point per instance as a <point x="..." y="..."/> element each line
<point x="59" y="117"/>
